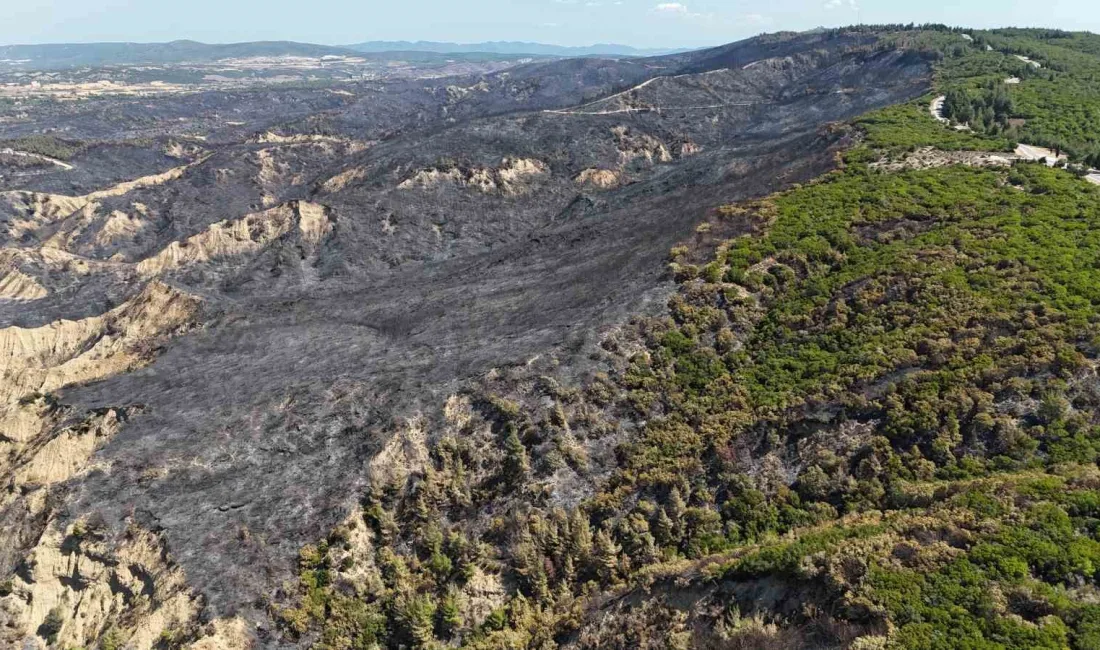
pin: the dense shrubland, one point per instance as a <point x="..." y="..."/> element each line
<point x="45" y="145"/>
<point x="871" y="421"/>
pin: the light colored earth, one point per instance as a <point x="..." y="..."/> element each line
<point x="930" y="157"/>
<point x="937" y="108"/>
<point x="1031" y="152"/>
<point x="73" y="91"/>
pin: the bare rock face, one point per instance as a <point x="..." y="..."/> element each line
<point x="202" y="365"/>
<point x="79" y="588"/>
<point x="601" y="178"/>
<point x="46" y="445"/>
<point x="227" y="240"/>
<point x="640" y="147"/>
<point x="41" y="360"/>
<point x="511" y="177"/>
<point x="20" y="286"/>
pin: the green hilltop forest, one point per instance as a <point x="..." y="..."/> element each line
<point x="869" y="418"/>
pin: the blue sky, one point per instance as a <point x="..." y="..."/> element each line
<point x="644" y="23"/>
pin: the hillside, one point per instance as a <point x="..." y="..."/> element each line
<point x="742" y="348"/>
<point x="506" y="47"/>
<point x="866" y="420"/>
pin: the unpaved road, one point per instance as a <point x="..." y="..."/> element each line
<point x="1031" y="152"/>
<point x="35" y="156"/>
<point x="655" y="109"/>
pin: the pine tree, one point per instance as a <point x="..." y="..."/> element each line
<point x="569" y="570"/>
<point x="676" y="509"/>
<point x="605" y="557"/>
<point x="450" y="613"/>
<point x="664" y="529"/>
<point x="517" y="465"/>
<point x="416" y="615"/>
<point x="648" y="552"/>
<point x="580" y="535"/>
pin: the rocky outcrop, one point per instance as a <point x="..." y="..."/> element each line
<point x="248" y="235"/>
<point x="270" y="137"/>
<point x="18" y="286"/>
<point x="514" y="176"/>
<point x="120" y="226"/>
<point x="76" y="587"/>
<point x="44" y="359"/>
<point x="25" y="215"/>
<point x="31" y="217"/>
<point x="640" y="147"/>
<point x="603" y="179"/>
<point x="79" y="587"/>
<point x="344" y="179"/>
<point x="34" y="362"/>
<point x="139" y="183"/>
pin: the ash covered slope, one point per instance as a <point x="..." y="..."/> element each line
<point x="209" y="359"/>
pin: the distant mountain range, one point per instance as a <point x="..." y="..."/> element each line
<point x="67" y="55"/>
<point x="508" y="47"/>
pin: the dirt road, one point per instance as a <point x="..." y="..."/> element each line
<point x="35" y="156"/>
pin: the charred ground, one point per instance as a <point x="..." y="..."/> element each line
<point x="212" y="364"/>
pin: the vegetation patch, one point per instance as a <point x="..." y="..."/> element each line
<point x="872" y="421"/>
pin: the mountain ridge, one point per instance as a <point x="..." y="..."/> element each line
<point x="64" y="55"/>
<point x="179" y="51"/>
<point x="514" y="47"/>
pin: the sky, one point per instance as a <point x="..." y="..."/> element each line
<point x="641" y="23"/>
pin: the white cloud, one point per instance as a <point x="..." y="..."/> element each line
<point x="675" y="9"/>
<point x="837" y="4"/>
<point x="671" y="8"/>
